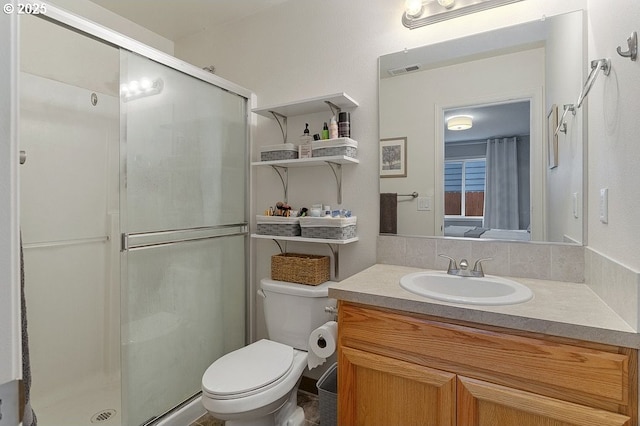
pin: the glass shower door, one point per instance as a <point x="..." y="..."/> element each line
<point x="183" y="192"/>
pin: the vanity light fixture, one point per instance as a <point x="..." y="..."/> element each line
<point x="419" y="13"/>
<point x="460" y="122"/>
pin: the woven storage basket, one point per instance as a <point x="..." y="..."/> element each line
<point x="300" y="268"/>
<point x="329" y="147"/>
<point x="333" y="228"/>
<point x="278" y="225"/>
<point x="284" y="151"/>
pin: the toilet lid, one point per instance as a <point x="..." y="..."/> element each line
<point x="249" y="368"/>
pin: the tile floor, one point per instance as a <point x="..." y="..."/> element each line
<point x="306" y="400"/>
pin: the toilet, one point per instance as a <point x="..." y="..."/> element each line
<point x="257" y="385"/>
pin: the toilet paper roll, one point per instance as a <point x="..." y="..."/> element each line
<point x="314" y="360"/>
<point x="322" y="341"/>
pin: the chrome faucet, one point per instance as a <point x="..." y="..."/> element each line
<point x="463" y="269"/>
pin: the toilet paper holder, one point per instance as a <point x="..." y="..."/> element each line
<point x="331" y="310"/>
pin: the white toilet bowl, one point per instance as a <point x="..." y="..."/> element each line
<point x="256" y="385"/>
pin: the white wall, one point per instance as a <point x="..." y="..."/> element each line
<point x="411" y="102"/>
<point x="614" y="148"/>
<point x="566" y="72"/>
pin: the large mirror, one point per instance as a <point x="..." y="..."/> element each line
<point x="469" y="146"/>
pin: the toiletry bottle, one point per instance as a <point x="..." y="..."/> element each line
<point x="306" y="137"/>
<point x="305" y="148"/>
<point x="344" y="125"/>
<point x="333" y="128"/>
<point x="325" y="131"/>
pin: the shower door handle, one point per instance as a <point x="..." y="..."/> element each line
<point x="23" y="157"/>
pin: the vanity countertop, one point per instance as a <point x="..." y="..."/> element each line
<point x="558" y="308"/>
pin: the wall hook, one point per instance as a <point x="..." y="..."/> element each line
<point x="632" y="53"/>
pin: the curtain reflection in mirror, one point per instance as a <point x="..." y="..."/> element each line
<point x="501" y="202"/>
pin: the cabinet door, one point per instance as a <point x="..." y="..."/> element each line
<point x="486" y="404"/>
<point x="377" y="390"/>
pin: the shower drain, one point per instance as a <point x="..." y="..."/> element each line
<point x="103" y="416"/>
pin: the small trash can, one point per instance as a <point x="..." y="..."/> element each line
<point x="328" y="396"/>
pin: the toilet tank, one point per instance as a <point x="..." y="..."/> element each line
<point x="292" y="311"/>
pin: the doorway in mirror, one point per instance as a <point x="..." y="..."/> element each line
<point x="486" y="181"/>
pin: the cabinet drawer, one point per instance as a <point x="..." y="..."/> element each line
<point x="580" y="374"/>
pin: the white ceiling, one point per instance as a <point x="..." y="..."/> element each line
<point x="175" y="19"/>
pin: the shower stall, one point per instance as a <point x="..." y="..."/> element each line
<point x="133" y="204"/>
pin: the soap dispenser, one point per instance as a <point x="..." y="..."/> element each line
<point x="306" y="137"/>
<point x="305" y="149"/>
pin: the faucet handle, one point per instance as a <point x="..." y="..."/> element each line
<point x="452" y="262"/>
<point x="477" y="266"/>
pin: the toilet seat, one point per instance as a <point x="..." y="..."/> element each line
<point x="249" y="370"/>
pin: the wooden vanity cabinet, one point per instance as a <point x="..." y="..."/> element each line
<point x="396" y="368"/>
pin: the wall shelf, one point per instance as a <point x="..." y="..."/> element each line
<point x="307" y="106"/>
<point x="335" y="162"/>
<point x="334" y="246"/>
<point x="306" y="240"/>
<point x="309" y="162"/>
<point x="336" y="103"/>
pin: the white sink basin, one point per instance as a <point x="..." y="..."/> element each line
<point x="488" y="290"/>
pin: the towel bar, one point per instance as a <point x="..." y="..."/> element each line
<point x="413" y="194"/>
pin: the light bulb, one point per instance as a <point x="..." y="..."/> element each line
<point x="145" y="84"/>
<point x="447" y="3"/>
<point x="413" y="8"/>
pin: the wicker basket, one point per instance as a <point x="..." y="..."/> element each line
<point x="333" y="228"/>
<point x="300" y="268"/>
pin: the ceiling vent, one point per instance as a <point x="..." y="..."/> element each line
<point x="404" y="70"/>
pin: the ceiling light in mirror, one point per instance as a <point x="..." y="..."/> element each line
<point x="460" y="122"/>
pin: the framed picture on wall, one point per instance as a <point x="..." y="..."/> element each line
<point x="552" y="137"/>
<point x="393" y="157"/>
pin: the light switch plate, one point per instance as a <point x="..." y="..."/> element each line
<point x="604" y="205"/>
<point x="424" y="203"/>
<point x="574" y="204"/>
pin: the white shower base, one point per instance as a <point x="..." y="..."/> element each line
<point x="76" y="408"/>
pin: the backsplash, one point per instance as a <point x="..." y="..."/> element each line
<point x="616" y="284"/>
<point x="545" y="261"/>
